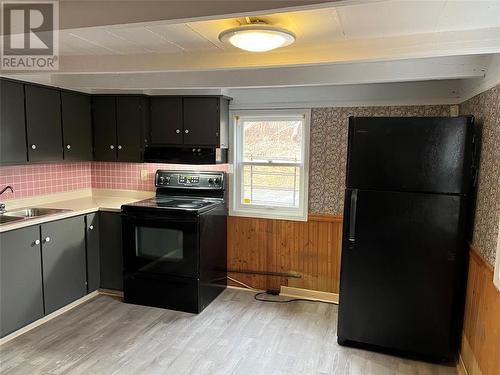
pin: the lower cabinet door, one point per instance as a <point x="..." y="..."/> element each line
<point x="64" y="263"/>
<point x="21" y="297"/>
<point x="93" y="268"/>
<point x="111" y="254"/>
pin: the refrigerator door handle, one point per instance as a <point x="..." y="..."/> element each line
<point x="352" y="215"/>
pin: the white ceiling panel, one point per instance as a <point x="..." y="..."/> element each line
<point x="390" y="18"/>
<point x="187" y="38"/>
<point x="466" y="15"/>
<point x="151" y="41"/>
<point x="108" y="41"/>
<point x="71" y="44"/>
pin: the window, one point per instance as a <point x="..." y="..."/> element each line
<point x="270" y="163"/>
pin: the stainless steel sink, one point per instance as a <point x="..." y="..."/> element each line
<point x="8" y="219"/>
<point x="33" y="212"/>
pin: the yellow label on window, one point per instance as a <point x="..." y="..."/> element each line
<point x="246" y="200"/>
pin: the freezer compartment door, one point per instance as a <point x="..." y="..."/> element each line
<point x="433" y="154"/>
<point x="402" y="271"/>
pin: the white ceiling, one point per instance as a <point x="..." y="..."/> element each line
<point x="340" y="43"/>
<point x="317" y="27"/>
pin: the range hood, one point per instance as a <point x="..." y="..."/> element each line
<point x="185" y="155"/>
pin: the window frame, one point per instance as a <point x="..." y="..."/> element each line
<point x="236" y="207"/>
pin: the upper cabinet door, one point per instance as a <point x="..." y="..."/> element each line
<point x="77" y="126"/>
<point x="130" y="125"/>
<point x="12" y="123"/>
<point x="43" y="120"/>
<point x="104" y="120"/>
<point x="201" y="121"/>
<point x="166" y="121"/>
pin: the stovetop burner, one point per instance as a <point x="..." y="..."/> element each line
<point x="191" y="192"/>
<point x="177" y="203"/>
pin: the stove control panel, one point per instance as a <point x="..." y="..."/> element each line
<point x="189" y="180"/>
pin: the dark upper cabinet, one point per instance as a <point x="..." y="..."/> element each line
<point x="77" y="126"/>
<point x="120" y="127"/>
<point x="12" y="123"/>
<point x="201" y="121"/>
<point x="43" y="124"/>
<point x="104" y="121"/>
<point x="166" y="121"/>
<point x="131" y="127"/>
<point x="63" y="262"/>
<point x="189" y="121"/>
<point x="20" y="279"/>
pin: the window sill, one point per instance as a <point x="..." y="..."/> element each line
<point x="268" y="214"/>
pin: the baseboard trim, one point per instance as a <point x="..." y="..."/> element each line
<point x="49" y="317"/>
<point x="461" y="369"/>
<point x="241" y="288"/>
<point x="313" y="295"/>
<point x="111" y="292"/>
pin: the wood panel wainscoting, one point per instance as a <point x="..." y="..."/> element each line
<point x="308" y="249"/>
<point x="480" y="352"/>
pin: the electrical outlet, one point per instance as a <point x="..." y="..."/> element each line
<point x="454" y="110"/>
<point x="144" y="174"/>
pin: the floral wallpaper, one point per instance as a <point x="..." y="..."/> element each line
<point x="486" y="109"/>
<point x="328" y="150"/>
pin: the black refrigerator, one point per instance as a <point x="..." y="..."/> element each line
<point x="404" y="248"/>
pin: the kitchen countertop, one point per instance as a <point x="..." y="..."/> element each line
<point x="80" y="202"/>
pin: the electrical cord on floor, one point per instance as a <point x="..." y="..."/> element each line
<point x="275" y="292"/>
<point x="256" y="297"/>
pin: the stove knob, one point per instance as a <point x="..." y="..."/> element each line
<point x="217" y="181"/>
<point x="162" y="180"/>
<point x="210" y="180"/>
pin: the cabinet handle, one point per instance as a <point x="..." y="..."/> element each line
<point x="177" y="131"/>
<point x="68" y="147"/>
<point x="47" y="239"/>
<point x="91" y="227"/>
<point x="36" y="242"/>
<point x="120" y="147"/>
<point x="33" y="147"/>
<point x="111" y="147"/>
<point x="186" y="131"/>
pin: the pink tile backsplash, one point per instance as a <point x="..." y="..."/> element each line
<point x="127" y="176"/>
<point x="32" y="180"/>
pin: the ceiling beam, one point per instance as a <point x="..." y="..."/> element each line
<point x="452" y="67"/>
<point x="472" y="87"/>
<point x="376" y="94"/>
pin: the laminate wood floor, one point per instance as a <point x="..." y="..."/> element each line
<point x="234" y="335"/>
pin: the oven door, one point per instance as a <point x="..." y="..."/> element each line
<point x="160" y="244"/>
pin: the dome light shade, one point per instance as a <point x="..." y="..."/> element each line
<point x="257" y="37"/>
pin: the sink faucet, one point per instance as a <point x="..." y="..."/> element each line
<point x="2" y="205"/>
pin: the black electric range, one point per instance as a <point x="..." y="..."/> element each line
<point x="174" y="245"/>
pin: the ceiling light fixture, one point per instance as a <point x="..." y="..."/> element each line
<point x="257" y="37"/>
